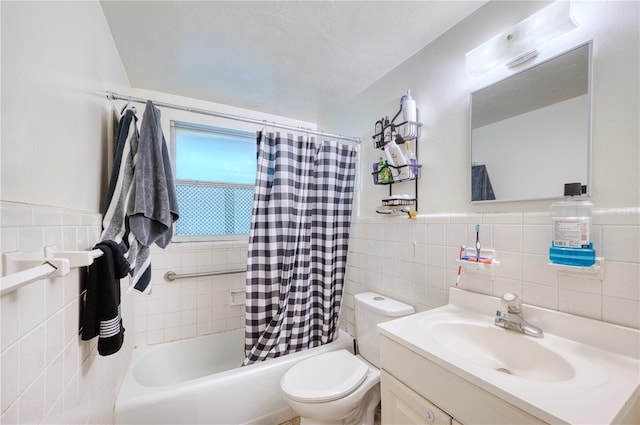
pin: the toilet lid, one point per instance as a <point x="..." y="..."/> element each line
<point x="325" y="377"/>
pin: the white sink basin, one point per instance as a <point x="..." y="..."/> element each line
<point x="502" y="351"/>
<point x="582" y="371"/>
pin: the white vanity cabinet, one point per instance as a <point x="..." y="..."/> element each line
<point x="453" y="358"/>
<point x="418" y="391"/>
<point x="401" y="405"/>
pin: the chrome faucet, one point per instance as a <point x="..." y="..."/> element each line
<point x="512" y="319"/>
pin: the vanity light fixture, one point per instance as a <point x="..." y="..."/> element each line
<point x="521" y="42"/>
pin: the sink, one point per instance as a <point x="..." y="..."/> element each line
<point x="581" y="371"/>
<point x="503" y="351"/>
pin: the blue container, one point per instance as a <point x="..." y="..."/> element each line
<point x="581" y="257"/>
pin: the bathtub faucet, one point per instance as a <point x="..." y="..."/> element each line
<point x="512" y="319"/>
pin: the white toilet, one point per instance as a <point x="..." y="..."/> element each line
<point x="338" y="387"/>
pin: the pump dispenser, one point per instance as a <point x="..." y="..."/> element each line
<point x="571" y="243"/>
<point x="409" y="113"/>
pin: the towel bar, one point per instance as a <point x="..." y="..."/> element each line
<point x="16" y="280"/>
<point x="76" y="258"/>
<point x="21" y="270"/>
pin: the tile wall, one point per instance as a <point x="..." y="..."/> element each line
<point x="414" y="261"/>
<point x="49" y="375"/>
<point x="191" y="307"/>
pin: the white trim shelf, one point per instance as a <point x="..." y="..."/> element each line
<point x="596" y="270"/>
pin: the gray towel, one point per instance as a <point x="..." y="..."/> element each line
<point x="153" y="206"/>
<point x="115" y="221"/>
<point x="481" y="189"/>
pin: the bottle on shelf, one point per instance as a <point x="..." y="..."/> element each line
<point x="411" y="160"/>
<point x="409" y="113"/>
<point x="400" y="166"/>
<point x="571" y="244"/>
<point x="383" y="173"/>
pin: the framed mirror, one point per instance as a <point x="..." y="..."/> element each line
<point x="531" y="132"/>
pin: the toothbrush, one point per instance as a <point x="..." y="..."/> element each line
<point x="462" y="248"/>
<point x="477" y="243"/>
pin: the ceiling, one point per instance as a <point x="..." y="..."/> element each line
<point x="290" y="58"/>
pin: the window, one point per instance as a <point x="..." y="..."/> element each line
<point x="215" y="178"/>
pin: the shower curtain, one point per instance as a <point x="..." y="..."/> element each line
<point x="298" y="244"/>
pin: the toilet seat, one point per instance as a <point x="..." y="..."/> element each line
<point x="325" y="377"/>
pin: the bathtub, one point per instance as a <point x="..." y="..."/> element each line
<point x="200" y="381"/>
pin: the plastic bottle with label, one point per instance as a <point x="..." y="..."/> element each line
<point x="409" y="113"/>
<point x="411" y="160"/>
<point x="571" y="244"/>
<point x="400" y="169"/>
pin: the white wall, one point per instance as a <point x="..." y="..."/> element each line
<point x="414" y="260"/>
<point x="440" y="84"/>
<point x="57" y="60"/>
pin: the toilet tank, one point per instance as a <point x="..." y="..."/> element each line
<point x="371" y="309"/>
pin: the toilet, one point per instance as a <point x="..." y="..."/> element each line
<point x="338" y="387"/>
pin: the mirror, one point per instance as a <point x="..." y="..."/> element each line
<point x="530" y="133"/>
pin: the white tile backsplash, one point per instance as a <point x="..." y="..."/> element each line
<point x="436" y="234"/>
<point x="49" y="375"/>
<point x="535" y="239"/>
<point x="506" y="237"/>
<point x="621" y="311"/>
<point x="580" y="303"/>
<point x="535" y="269"/>
<point x="622" y="280"/>
<point x="621" y="243"/>
<point x="456" y="233"/>
<point x="521" y="241"/>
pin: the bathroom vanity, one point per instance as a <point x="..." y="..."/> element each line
<point x="452" y="365"/>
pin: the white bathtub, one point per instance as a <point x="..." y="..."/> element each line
<point x="200" y="381"/>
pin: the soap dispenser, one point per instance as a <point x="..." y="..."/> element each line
<point x="571" y="244"/>
<point x="409" y="114"/>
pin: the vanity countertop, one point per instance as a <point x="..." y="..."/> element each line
<point x="582" y="371"/>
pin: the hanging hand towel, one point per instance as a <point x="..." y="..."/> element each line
<point x="115" y="221"/>
<point x="153" y="207"/>
<point x="101" y="315"/>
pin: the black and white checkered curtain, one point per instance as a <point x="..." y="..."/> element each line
<point x="298" y="244"/>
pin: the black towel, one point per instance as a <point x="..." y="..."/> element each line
<point x="101" y="316"/>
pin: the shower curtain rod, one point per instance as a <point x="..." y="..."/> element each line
<point x="116" y="96"/>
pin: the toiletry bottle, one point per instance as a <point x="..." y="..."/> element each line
<point x="400" y="170"/>
<point x="411" y="160"/>
<point x="386" y="131"/>
<point x="378" y="169"/>
<point x="409" y="113"/>
<point x="384" y="172"/>
<point x="571" y="218"/>
<point x="375" y="172"/>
